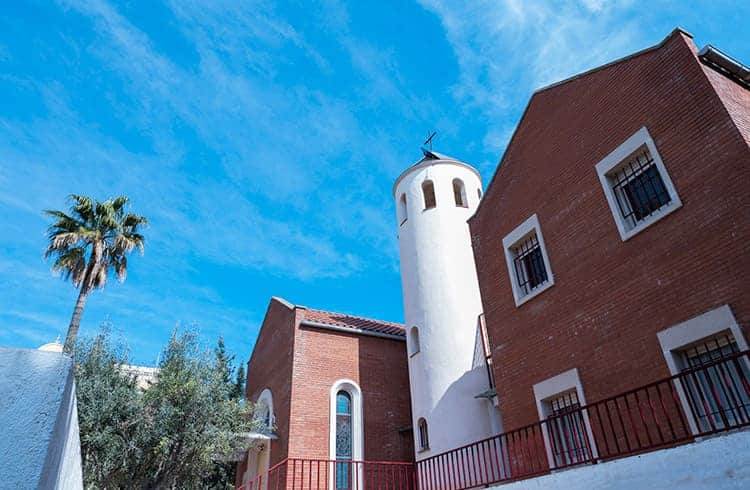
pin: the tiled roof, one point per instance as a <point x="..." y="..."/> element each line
<point x="355" y="322"/>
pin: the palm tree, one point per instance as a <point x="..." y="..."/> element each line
<point x="104" y="231"/>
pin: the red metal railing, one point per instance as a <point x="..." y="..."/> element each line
<point x="711" y="398"/>
<point x="314" y="474"/>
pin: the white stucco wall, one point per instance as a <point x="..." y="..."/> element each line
<point x="716" y="463"/>
<point x="441" y="298"/>
<point x="39" y="446"/>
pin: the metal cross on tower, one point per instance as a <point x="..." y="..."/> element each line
<point x="428" y="141"/>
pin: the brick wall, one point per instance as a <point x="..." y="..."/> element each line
<point x="300" y="364"/>
<point x="377" y="365"/>
<point x="611" y="297"/>
<point x="270" y="366"/>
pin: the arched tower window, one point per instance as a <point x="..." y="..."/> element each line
<point x="428" y="190"/>
<point x="402" y="214"/>
<point x="347" y="437"/>
<point x="424" y="439"/>
<point x="459" y="193"/>
<point x="413" y="341"/>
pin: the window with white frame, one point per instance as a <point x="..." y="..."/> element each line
<point x="636" y="184"/>
<point x="528" y="263"/>
<point x="263" y="411"/>
<point x="716" y="383"/>
<point x="566" y="429"/>
<point x="712" y="379"/>
<point x="346" y="433"/>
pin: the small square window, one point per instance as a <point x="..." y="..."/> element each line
<point x="636" y="184"/>
<point x="528" y="264"/>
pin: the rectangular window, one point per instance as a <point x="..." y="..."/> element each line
<point x="716" y="384"/>
<point x="528" y="263"/>
<point x="639" y="188"/>
<point x="567" y="430"/>
<point x="636" y="184"/>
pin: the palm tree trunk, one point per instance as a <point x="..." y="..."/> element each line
<point x="75" y="321"/>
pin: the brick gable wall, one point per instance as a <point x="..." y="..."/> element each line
<point x="377" y="365"/>
<point x="611" y="297"/>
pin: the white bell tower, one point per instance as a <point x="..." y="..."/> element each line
<point x="434" y="199"/>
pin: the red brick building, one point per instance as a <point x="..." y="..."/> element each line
<point x="612" y="251"/>
<point x="312" y="372"/>
<point x="613" y="242"/>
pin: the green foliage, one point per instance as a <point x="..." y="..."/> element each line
<point x="178" y="433"/>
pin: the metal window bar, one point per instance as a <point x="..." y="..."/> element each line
<point x="715" y="392"/>
<point x="531" y="271"/>
<point x="639" y="188"/>
<point x="567" y="429"/>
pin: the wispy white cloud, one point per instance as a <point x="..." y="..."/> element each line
<point x="506" y="49"/>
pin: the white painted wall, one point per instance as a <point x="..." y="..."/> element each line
<point x="40" y="446"/>
<point x="441" y="298"/>
<point x="717" y="463"/>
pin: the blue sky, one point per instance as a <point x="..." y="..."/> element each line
<point x="262" y="139"/>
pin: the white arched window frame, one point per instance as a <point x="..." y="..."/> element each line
<point x="428" y="194"/>
<point x="357" y="424"/>
<point x="414" y="347"/>
<point x="264" y="410"/>
<point x="459" y="193"/>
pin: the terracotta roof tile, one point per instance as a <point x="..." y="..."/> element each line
<point x="357" y="322"/>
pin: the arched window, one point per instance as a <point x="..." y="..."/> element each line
<point x="459" y="193"/>
<point x="263" y="412"/>
<point x="347" y="436"/>
<point x="413" y="341"/>
<point x="402" y="214"/>
<point x="428" y="190"/>
<point x="424" y="439"/>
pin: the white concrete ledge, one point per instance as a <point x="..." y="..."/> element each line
<point x="720" y="462"/>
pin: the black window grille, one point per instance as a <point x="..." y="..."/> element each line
<point x="717" y="392"/>
<point x="567" y="430"/>
<point x="639" y="188"/>
<point x="529" y="263"/>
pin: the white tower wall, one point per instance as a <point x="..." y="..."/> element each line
<point x="441" y="298"/>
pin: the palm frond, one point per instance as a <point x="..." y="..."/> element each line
<point x="71" y="263"/>
<point x="132" y="220"/>
<point x="83" y="206"/>
<point x="100" y="276"/>
<point x="121" y="268"/>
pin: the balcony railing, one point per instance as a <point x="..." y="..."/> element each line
<point x="313" y="474"/>
<point x="701" y="401"/>
<point x="705" y="400"/>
